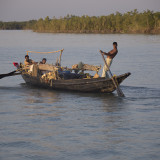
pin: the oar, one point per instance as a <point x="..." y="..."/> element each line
<point x="13" y="73"/>
<point x="119" y="91"/>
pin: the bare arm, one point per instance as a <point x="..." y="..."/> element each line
<point x="26" y="63"/>
<point x="105" y="53"/>
<point x="110" y="53"/>
<point x="33" y="62"/>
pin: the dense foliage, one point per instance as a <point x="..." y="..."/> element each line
<point x="130" y="22"/>
<point x="17" y="25"/>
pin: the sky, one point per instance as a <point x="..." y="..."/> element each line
<point x="22" y="10"/>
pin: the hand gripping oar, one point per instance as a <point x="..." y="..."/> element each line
<point x="119" y="91"/>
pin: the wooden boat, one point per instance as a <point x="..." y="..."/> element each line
<point x="82" y="85"/>
<point x="62" y="78"/>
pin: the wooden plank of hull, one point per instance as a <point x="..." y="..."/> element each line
<point x="83" y="85"/>
<point x="88" y="87"/>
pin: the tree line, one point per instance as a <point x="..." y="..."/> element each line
<point x="17" y="25"/>
<point x="129" y="22"/>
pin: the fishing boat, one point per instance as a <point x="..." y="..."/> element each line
<point x="57" y="77"/>
<point x="76" y="84"/>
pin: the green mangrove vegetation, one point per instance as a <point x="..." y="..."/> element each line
<point x="129" y="22"/>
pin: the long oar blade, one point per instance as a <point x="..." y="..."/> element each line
<point x="119" y="92"/>
<point x="7" y="74"/>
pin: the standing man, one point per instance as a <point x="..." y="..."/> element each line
<point x="110" y="55"/>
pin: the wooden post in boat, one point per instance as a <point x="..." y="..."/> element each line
<point x="60" y="57"/>
<point x="119" y="91"/>
<point x="35" y="70"/>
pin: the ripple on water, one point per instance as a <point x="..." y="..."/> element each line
<point x="39" y="124"/>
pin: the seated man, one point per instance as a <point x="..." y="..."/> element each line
<point x="43" y="61"/>
<point x="28" y="61"/>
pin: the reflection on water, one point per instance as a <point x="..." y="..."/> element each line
<point x="40" y="124"/>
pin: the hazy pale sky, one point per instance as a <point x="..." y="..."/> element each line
<point x="19" y="10"/>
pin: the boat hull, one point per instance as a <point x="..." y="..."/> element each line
<point x="81" y="85"/>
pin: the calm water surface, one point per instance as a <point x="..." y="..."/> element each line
<point x="39" y="124"/>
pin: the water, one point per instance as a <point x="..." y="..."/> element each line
<point x="38" y="124"/>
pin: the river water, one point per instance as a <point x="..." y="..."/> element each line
<point x="40" y="124"/>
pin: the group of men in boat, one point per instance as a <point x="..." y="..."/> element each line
<point x="28" y="61"/>
<point x="110" y="56"/>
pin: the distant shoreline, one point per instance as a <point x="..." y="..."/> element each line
<point x="133" y="22"/>
<point x="100" y="32"/>
<point x="85" y="32"/>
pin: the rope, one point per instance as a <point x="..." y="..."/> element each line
<point x="45" y="52"/>
<point x="115" y="78"/>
